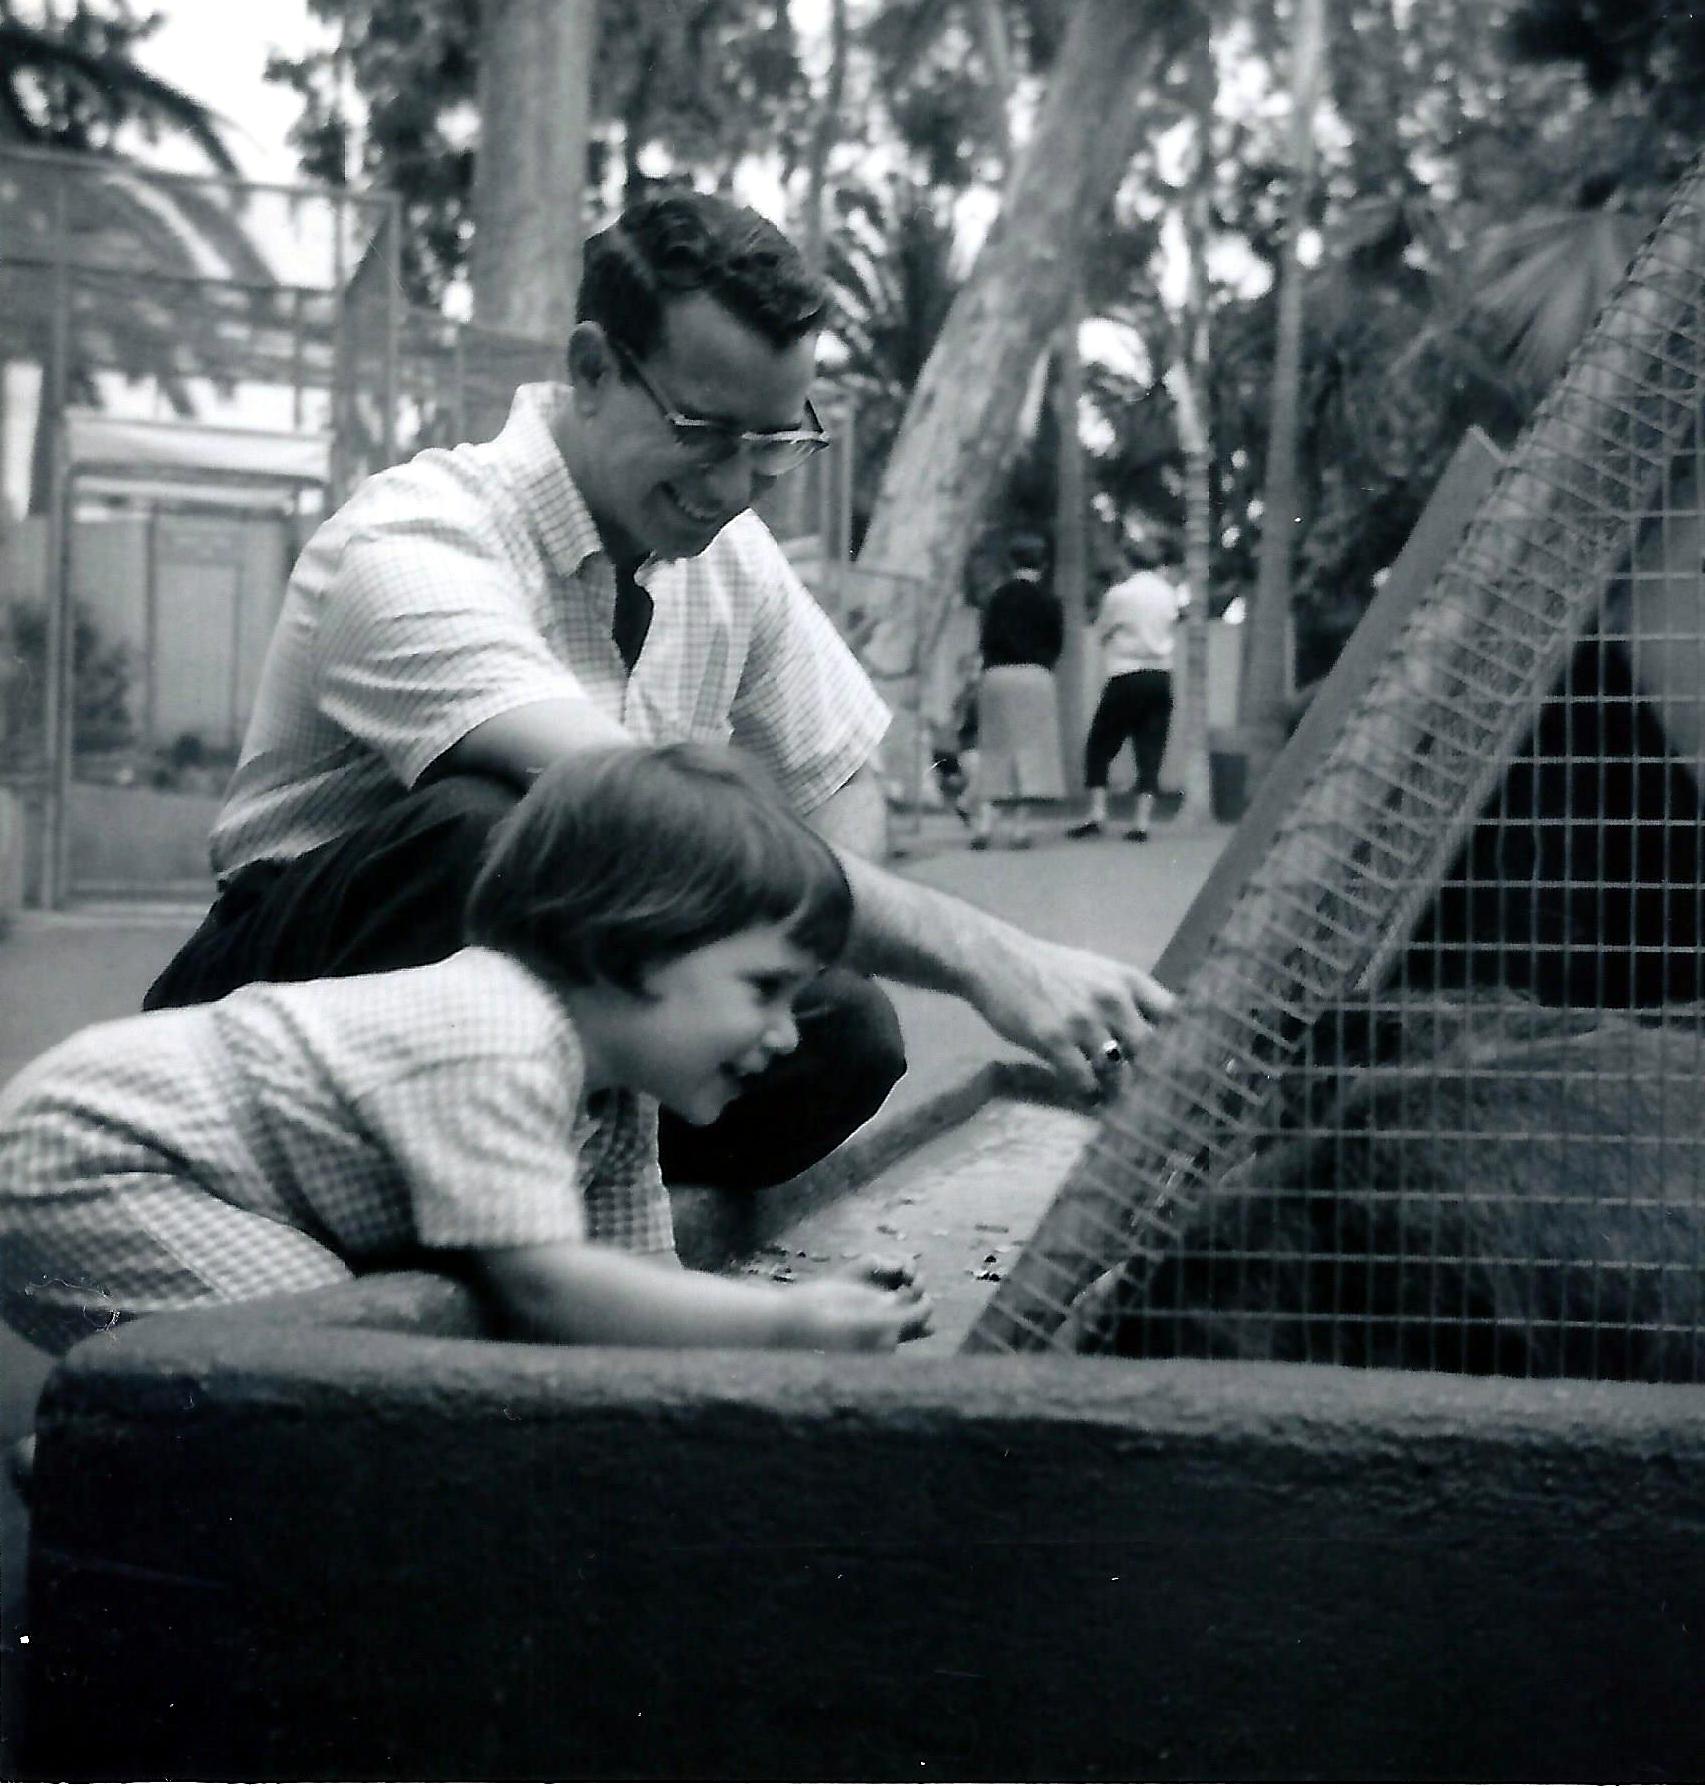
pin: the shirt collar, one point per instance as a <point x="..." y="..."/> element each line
<point x="526" y="449"/>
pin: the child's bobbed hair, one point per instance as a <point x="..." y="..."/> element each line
<point x="620" y="859"/>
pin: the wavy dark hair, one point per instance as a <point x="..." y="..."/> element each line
<point x="682" y="242"/>
<point x="616" y="861"/>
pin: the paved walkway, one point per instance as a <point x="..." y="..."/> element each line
<point x="1125" y="900"/>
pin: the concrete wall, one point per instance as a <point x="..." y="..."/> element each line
<point x="304" y="1542"/>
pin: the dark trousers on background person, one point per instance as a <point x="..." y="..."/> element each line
<point x="1136" y="706"/>
<point x="391" y="895"/>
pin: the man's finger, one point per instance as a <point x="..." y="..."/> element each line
<point x="1075" y="1064"/>
<point x="1153" y="1000"/>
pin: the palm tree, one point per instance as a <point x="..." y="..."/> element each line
<point x="891" y="262"/>
<point x="535" y="103"/>
<point x="1534" y="280"/>
<point x="959" y="426"/>
<point x="1187" y="380"/>
<point x="72" y="86"/>
<point x="1264" y="700"/>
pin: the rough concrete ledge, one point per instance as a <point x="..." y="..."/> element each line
<point x="305" y="1546"/>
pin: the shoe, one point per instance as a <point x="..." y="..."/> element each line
<point x="1087" y="829"/>
<point x="1022" y="844"/>
<point x="1138" y="835"/>
<point x="980" y="843"/>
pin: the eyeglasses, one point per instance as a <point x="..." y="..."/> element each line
<point x="773" y="451"/>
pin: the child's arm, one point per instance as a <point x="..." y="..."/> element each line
<point x="580" y="1292"/>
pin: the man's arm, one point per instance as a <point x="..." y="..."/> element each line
<point x="515" y="747"/>
<point x="1060" y="1002"/>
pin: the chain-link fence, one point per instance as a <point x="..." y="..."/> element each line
<point x="134" y="605"/>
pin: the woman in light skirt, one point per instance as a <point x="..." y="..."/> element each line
<point x="1018" y="743"/>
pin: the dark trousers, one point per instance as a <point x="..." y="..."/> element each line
<point x="1135" y="705"/>
<point x="391" y="895"/>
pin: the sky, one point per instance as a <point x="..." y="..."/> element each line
<point x="216" y="50"/>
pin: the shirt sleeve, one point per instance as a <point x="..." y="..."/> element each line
<point x="805" y="707"/>
<point x="627" y="1205"/>
<point x="424" y="637"/>
<point x="486" y="1148"/>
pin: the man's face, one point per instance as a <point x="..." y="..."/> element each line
<point x="705" y="1023"/>
<point x="648" y="493"/>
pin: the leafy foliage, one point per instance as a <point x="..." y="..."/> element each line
<point x="102" y="673"/>
<point x="392" y="101"/>
<point x="75" y="84"/>
<point x="1487" y="171"/>
<point x="1486" y="168"/>
<point x="892" y="267"/>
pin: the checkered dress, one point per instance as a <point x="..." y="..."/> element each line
<point x="471" y="582"/>
<point x="286" y="1136"/>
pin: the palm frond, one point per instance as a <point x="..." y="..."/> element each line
<point x="1538" y="283"/>
<point x="109" y="76"/>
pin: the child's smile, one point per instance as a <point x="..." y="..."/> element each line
<point x="707" y="1022"/>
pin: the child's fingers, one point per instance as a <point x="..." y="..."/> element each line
<point x="918" y="1321"/>
<point x="890" y="1271"/>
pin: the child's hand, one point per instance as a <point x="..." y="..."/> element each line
<point x="871" y="1307"/>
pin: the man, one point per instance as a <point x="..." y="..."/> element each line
<point x="594" y="573"/>
<point x="1135" y="631"/>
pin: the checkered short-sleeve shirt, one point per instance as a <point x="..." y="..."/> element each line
<point x="472" y="581"/>
<point x="439" y="1107"/>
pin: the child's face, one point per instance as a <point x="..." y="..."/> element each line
<point x="708" y="1021"/>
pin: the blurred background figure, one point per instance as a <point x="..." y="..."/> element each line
<point x="953" y="742"/>
<point x="1018" y="756"/>
<point x="1134" y="632"/>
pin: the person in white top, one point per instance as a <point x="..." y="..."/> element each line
<point x="1135" y="632"/>
<point x="593" y="575"/>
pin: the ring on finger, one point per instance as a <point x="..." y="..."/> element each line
<point x="1110" y="1054"/>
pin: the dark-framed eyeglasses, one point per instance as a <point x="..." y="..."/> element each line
<point x="773" y="451"/>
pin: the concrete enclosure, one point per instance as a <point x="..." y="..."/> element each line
<point x="344" y="1537"/>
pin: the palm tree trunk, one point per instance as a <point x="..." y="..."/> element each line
<point x="1265" y="696"/>
<point x="1192" y="721"/>
<point x="1187" y="381"/>
<point x="825" y="133"/>
<point x="1071" y="545"/>
<point x="530" y="175"/>
<point x="988" y="22"/>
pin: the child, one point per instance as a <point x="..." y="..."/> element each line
<point x="638" y="934"/>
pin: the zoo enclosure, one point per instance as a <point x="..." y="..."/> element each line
<point x="1433" y="1096"/>
<point x="173" y="304"/>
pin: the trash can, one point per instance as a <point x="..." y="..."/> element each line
<point x="1228" y="774"/>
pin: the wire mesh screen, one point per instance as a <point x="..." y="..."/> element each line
<point x="1432" y="1097"/>
<point x="145" y="293"/>
<point x="418" y="379"/>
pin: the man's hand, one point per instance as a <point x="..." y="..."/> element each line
<point x="1066" y="1004"/>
